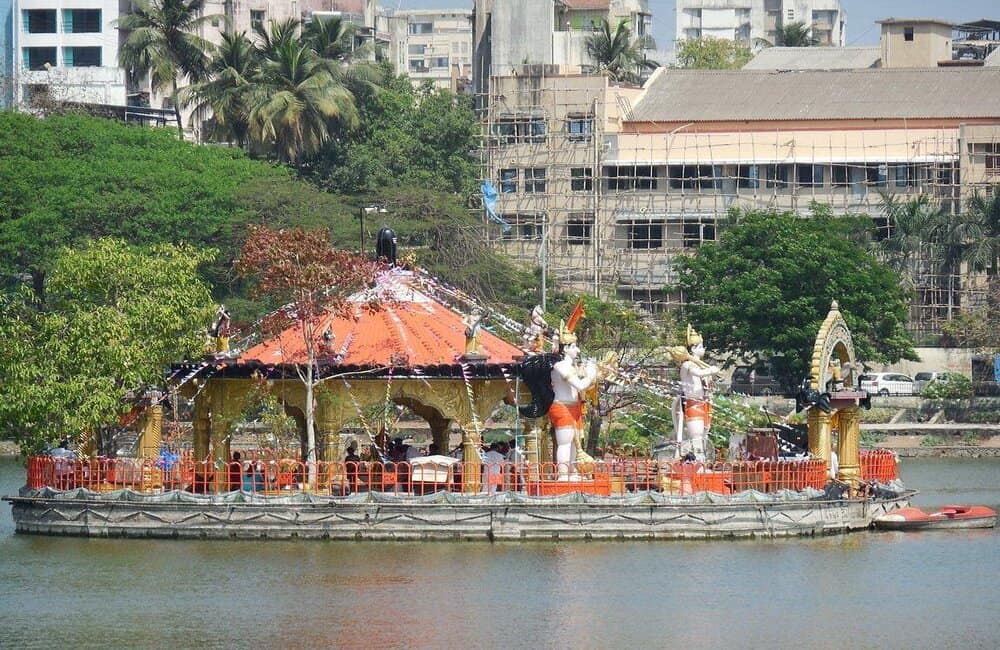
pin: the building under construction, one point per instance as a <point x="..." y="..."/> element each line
<point x="604" y="184"/>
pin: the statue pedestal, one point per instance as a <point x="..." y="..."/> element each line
<point x="474" y="357"/>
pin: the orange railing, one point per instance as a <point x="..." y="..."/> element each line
<point x="281" y="476"/>
<point x="880" y="465"/>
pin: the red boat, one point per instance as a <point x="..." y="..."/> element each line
<point x="946" y="517"/>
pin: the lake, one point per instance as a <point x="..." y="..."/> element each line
<point x="865" y="590"/>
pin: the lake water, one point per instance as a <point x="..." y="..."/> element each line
<point x="865" y="590"/>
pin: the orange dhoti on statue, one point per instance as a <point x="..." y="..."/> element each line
<point x="566" y="415"/>
<point x="697" y="409"/>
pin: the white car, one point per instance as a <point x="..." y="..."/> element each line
<point x="886" y="383"/>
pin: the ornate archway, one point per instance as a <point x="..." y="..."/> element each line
<point x="832" y="370"/>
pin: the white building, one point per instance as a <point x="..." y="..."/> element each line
<point x="750" y="21"/>
<point x="66" y="50"/>
<point x="436" y="46"/>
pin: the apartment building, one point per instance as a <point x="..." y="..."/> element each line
<point x="511" y="33"/>
<point x="608" y="184"/>
<point x="65" y="50"/>
<point x="437" y="46"/>
<point x="752" y="21"/>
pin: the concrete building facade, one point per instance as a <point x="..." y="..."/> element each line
<point x="436" y="46"/>
<point x="608" y="183"/>
<point x="65" y="50"/>
<point x="508" y="34"/>
<point x="751" y="21"/>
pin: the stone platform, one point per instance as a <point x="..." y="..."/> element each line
<point x="646" y="516"/>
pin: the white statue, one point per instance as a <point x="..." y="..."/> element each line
<point x="693" y="407"/>
<point x="569" y="381"/>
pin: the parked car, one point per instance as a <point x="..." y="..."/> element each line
<point x="921" y="379"/>
<point x="760" y="379"/>
<point x="886" y="383"/>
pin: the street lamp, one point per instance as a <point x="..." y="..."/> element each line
<point x="367" y="210"/>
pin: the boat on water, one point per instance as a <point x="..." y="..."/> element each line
<point x="948" y="517"/>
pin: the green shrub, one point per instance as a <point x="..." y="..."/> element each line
<point x="932" y="441"/>
<point x="949" y="386"/>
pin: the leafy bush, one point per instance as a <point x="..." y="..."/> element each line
<point x="878" y="415"/>
<point x="949" y="386"/>
<point x="932" y="441"/>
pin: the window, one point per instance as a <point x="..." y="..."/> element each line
<point x="776" y="176"/>
<point x="508" y="181"/>
<point x="416" y="49"/>
<point x="809" y="175"/>
<point x="876" y="175"/>
<point x="534" y="180"/>
<point x="257" y="17"/>
<point x="645" y="234"/>
<point x="440" y="62"/>
<point x="417" y="65"/>
<point x="692" y="177"/>
<point x="38" y="21"/>
<point x="517" y="130"/>
<point x="524" y="226"/>
<point x="748" y="177"/>
<point x="578" y="229"/>
<point x="990" y="153"/>
<point x="82" y="57"/>
<point x="631" y="177"/>
<point x="907" y="33"/>
<point x="35" y="58"/>
<point x="421" y="28"/>
<point x="695" y="234"/>
<point x="579" y="127"/>
<point x="841" y="176"/>
<point x="82" y="21"/>
<point x="581" y="179"/>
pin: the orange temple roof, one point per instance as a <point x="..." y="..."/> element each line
<point x="412" y="329"/>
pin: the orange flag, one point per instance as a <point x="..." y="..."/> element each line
<point x="575" y="316"/>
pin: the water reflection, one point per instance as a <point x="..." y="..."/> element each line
<point x="868" y="590"/>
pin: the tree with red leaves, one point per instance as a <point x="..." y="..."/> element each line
<point x="301" y="270"/>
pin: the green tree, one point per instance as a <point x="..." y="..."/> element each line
<point x="408" y="137"/>
<point x="708" y="53"/>
<point x="226" y="91"/>
<point x="162" y="41"/>
<point x="115" y="315"/>
<point x="765" y="287"/>
<point x="618" y="54"/>
<point x="796" y="34"/>
<point x="983" y="253"/>
<point x="68" y="179"/>
<point x="297" y="103"/>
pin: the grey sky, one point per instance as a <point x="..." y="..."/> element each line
<point x="861" y="14"/>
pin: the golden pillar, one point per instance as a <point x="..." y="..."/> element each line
<point x="202" y="429"/>
<point x="848" y="444"/>
<point x="546" y="444"/>
<point x="471" y="480"/>
<point x="220" y="437"/>
<point x="328" y="440"/>
<point x="819" y="434"/>
<point x="152" y="432"/>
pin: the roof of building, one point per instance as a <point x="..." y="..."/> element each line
<point x="594" y="5"/>
<point x="413" y="330"/>
<point x="914" y="21"/>
<point x="815" y="58"/>
<point x="740" y="95"/>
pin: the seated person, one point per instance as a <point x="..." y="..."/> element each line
<point x="253" y="478"/>
<point x="235" y="470"/>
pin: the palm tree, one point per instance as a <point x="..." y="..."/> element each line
<point x="912" y="223"/>
<point x="790" y="35"/>
<point x="795" y="35"/>
<point x="984" y="252"/>
<point x="296" y="101"/>
<point x="162" y="42"/>
<point x="618" y="54"/>
<point x="234" y="66"/>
